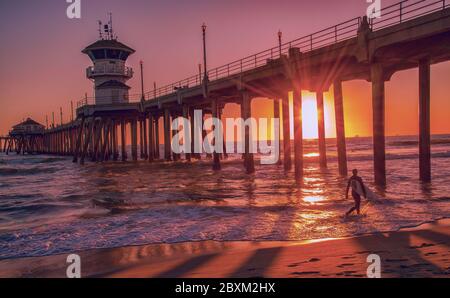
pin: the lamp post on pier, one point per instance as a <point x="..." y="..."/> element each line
<point x="280" y="35"/>
<point x="142" y="80"/>
<point x="205" y="74"/>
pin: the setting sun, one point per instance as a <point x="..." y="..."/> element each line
<point x="309" y="113"/>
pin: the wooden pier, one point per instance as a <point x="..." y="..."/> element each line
<point x="372" y="50"/>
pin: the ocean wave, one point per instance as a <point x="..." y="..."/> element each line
<point x="416" y="142"/>
<point x="51" y="159"/>
<point x="31" y="208"/>
<point x="393" y="156"/>
<point x="27" y="171"/>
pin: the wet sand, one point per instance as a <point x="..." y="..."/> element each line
<point x="423" y="251"/>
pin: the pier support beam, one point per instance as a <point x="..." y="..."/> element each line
<point x="378" y="106"/>
<point x="246" y="115"/>
<point x="340" y="128"/>
<point x="104" y="156"/>
<point x="286" y="134"/>
<point x="204" y="133"/>
<point x="298" y="133"/>
<point x="115" y="145"/>
<point x="141" y="139"/>
<point x="98" y="136"/>
<point x="216" y="155"/>
<point x="78" y="141"/>
<point x="134" y="149"/>
<point x="167" y="135"/>
<point x="424" y="121"/>
<point x="175" y="119"/>
<point x="157" y="155"/>
<point x="123" y="139"/>
<point x="151" y="138"/>
<point x="144" y="137"/>
<point x="187" y="134"/>
<point x="225" y="154"/>
<point x="276" y="115"/>
<point x="87" y="140"/>
<point x="193" y="135"/>
<point x="321" y="130"/>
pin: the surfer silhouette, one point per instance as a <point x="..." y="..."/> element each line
<point x="358" y="189"/>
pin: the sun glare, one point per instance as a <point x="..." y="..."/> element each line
<point x="309" y="113"/>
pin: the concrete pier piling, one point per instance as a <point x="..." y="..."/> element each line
<point x="216" y="155"/>
<point x="141" y="139"/>
<point x="115" y="141"/>
<point x="298" y="133"/>
<point x="378" y="107"/>
<point x="123" y="139"/>
<point x="187" y="134"/>
<point x="340" y="128"/>
<point x="246" y="114"/>
<point x="144" y="137"/>
<point x="286" y="134"/>
<point x="87" y="140"/>
<point x="151" y="138"/>
<point x="276" y="115"/>
<point x="167" y="136"/>
<point x="193" y="139"/>
<point x="424" y="121"/>
<point x="157" y="152"/>
<point x="321" y="130"/>
<point x="134" y="145"/>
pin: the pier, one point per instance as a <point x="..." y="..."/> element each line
<point x="410" y="34"/>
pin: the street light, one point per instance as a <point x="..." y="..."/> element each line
<point x="204" y="51"/>
<point x="280" y="35"/>
<point x="142" y="80"/>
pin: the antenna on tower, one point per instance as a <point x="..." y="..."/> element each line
<point x="100" y="29"/>
<point x="111" y="31"/>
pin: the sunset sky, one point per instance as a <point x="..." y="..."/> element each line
<point x="42" y="67"/>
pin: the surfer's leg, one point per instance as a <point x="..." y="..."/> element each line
<point x="358" y="205"/>
<point x="350" y="211"/>
<point x="357" y="199"/>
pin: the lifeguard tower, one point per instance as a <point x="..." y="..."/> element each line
<point x="109" y="72"/>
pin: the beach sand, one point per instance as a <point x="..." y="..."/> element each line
<point x="414" y="252"/>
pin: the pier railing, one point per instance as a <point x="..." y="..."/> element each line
<point x="391" y="15"/>
<point x="93" y="71"/>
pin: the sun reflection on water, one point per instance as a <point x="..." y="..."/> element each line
<point x="311" y="154"/>
<point x="314" y="199"/>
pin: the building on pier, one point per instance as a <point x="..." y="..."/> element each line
<point x="27" y="127"/>
<point x="25" y="137"/>
<point x="109" y="72"/>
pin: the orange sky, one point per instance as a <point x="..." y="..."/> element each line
<point x="43" y="67"/>
<point x="402" y="102"/>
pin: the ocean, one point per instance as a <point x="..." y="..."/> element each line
<point x="49" y="205"/>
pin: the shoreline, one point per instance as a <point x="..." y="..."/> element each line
<point x="420" y="251"/>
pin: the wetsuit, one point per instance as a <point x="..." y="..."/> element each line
<point x="357" y="186"/>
